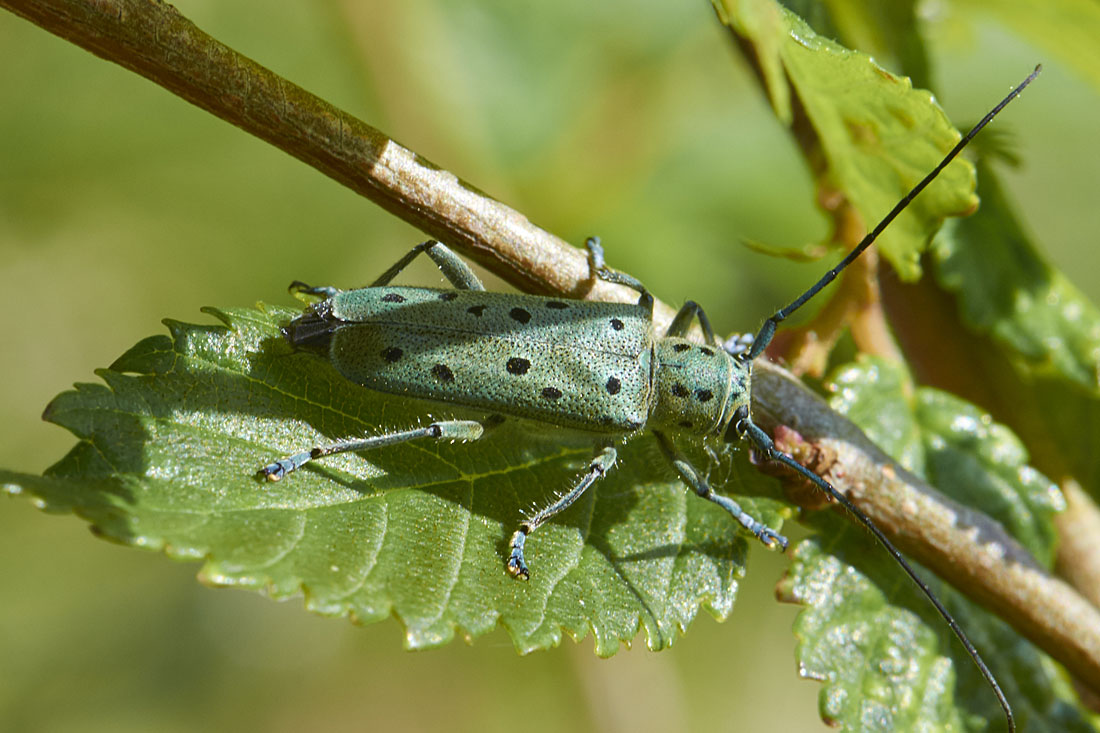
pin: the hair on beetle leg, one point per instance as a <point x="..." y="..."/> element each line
<point x="813" y="455"/>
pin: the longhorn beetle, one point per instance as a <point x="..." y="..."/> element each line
<point x="597" y="369"/>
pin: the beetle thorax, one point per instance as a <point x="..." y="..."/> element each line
<point x="696" y="389"/>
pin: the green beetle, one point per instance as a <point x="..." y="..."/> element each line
<point x="597" y="370"/>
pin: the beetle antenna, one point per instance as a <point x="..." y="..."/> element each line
<point x="764" y="442"/>
<point x="767" y="331"/>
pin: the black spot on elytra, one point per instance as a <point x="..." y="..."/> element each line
<point x="613" y="386"/>
<point x="551" y="393"/>
<point x="393" y="298"/>
<point x="680" y="347"/>
<point x="392" y="354"/>
<point x="443" y="373"/>
<point x="448" y="296"/>
<point x="476" y="310"/>
<point x="706" y="350"/>
<point x="493" y="421"/>
<point x="680" y="390"/>
<point x="616" y="324"/>
<point x="517" y="366"/>
<point x="703" y="395"/>
<point x="686" y="424"/>
<point x="519" y="314"/>
<point x="557" y="305"/>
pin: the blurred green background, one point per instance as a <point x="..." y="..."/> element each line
<point x="121" y="204"/>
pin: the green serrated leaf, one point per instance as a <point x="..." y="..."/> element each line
<point x="886" y="657"/>
<point x="882" y="668"/>
<point x="1044" y="335"/>
<point x="877" y="135"/>
<point x="953" y="445"/>
<point x="1006" y="288"/>
<point x="170" y="446"/>
<point x="878" y="397"/>
<point x="887" y="31"/>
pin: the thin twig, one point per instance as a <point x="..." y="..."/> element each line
<point x="154" y="40"/>
<point x="1078" y="527"/>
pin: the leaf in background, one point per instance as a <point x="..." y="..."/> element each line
<point x="887" y="659"/>
<point x="170" y="446"/>
<point x="1064" y="28"/>
<point x="873" y="134"/>
<point x="881" y="666"/>
<point x="954" y="446"/>
<point x="886" y="31"/>
<point x="1046" y="334"/>
<point x="888" y="662"/>
<point x="1006" y="288"/>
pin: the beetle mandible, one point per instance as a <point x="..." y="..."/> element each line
<point x="599" y="370"/>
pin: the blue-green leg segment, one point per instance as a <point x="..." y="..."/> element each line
<point x="691" y="476"/>
<point x="599" y="269"/>
<point x="326" y="291"/>
<point x="682" y="322"/>
<point x="444" y="430"/>
<point x="457" y="272"/>
<point x="599" y="466"/>
<point x="736" y="345"/>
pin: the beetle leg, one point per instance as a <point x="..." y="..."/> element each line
<point x="691" y="476"/>
<point x="443" y="430"/>
<point x="682" y="322"/>
<point x="599" y="269"/>
<point x="326" y="291"/>
<point x="457" y="272"/>
<point x="599" y="466"/>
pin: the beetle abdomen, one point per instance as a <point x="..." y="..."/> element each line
<point x="579" y="365"/>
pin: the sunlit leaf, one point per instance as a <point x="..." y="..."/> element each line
<point x="877" y="135"/>
<point x="170" y="446"/>
<point x="886" y="658"/>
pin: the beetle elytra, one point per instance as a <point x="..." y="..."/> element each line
<point x="598" y="370"/>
